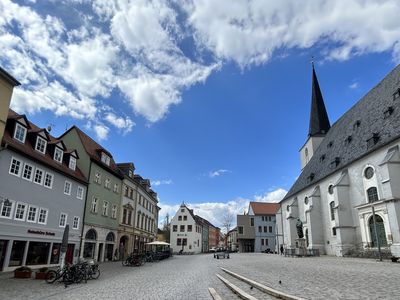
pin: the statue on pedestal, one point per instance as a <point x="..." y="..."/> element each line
<point x="299" y="226"/>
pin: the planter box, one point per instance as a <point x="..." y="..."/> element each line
<point x="19" y="274"/>
<point x="40" y="275"/>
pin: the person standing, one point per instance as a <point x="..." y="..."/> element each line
<point x="281" y="249"/>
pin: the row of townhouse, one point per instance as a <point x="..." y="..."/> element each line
<point x="256" y="230"/>
<point x="192" y="233"/>
<point x="48" y="182"/>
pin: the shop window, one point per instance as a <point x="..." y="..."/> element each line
<point x="38" y="252"/>
<point x="17" y="253"/>
<point x="55" y="253"/>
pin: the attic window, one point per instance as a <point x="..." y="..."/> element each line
<point x="330" y="144"/>
<point x="373" y="140"/>
<point x="322" y="158"/>
<point x="356" y="124"/>
<point x="311" y="177"/>
<point x="105" y="158"/>
<point x="58" y="155"/>
<point x="387" y="113"/>
<point x="20" y="132"/>
<point x="396" y="94"/>
<point x="348" y="139"/>
<point x="335" y="162"/>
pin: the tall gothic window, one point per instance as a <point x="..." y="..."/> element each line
<point x="332" y="206"/>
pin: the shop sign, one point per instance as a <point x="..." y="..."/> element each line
<point x="41" y="232"/>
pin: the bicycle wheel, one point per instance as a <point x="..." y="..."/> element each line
<point x="126" y="262"/>
<point x="78" y="276"/>
<point x="51" y="276"/>
<point x="68" y="278"/>
<point x="95" y="272"/>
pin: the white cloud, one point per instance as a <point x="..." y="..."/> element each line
<point x="354" y="85"/>
<point x="217" y="173"/>
<point x="215" y="211"/>
<point x="140" y="48"/>
<point x="250" y="31"/>
<point x="101" y="131"/>
<point x="161" y="182"/>
<point x="274" y="196"/>
<point x="125" y="124"/>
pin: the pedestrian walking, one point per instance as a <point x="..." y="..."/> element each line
<point x="281" y="249"/>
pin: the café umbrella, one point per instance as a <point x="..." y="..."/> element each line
<point x="64" y="246"/>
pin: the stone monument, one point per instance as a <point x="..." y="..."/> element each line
<point x="301" y="249"/>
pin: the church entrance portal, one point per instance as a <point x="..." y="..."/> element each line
<point x="380" y="230"/>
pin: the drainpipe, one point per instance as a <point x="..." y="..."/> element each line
<point x="84" y="210"/>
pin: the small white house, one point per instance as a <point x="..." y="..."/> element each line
<point x="186" y="232"/>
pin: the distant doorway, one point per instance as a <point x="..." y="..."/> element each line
<point x="123" y="245"/>
<point x="249" y="246"/>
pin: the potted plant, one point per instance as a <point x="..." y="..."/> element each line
<point x="41" y="273"/>
<point x="23" y="272"/>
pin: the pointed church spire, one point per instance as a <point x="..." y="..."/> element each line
<point x="319" y="121"/>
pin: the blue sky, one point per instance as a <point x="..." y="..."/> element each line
<point x="209" y="99"/>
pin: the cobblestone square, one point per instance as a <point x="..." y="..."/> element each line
<point x="188" y="277"/>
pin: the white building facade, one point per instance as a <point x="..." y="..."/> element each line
<point x="349" y="170"/>
<point x="186" y="232"/>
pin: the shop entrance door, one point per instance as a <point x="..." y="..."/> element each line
<point x="100" y="254"/>
<point x="3" y="249"/>
<point x="69" y="257"/>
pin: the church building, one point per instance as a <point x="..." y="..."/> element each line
<point x="348" y="193"/>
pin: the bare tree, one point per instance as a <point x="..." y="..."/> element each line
<point x="166" y="228"/>
<point x="227" y="220"/>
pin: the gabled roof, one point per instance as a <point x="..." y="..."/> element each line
<point x="27" y="149"/>
<point x="319" y="121"/>
<point x="263" y="208"/>
<point x="93" y="149"/>
<point x="364" y="128"/>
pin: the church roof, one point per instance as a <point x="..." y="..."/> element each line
<point x="319" y="121"/>
<point x="373" y="122"/>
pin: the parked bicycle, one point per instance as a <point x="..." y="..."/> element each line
<point x="134" y="260"/>
<point x="68" y="274"/>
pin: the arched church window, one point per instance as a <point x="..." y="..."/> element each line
<point x="332" y="206"/>
<point x="369" y="172"/>
<point x="372" y="193"/>
<point x="91" y="235"/>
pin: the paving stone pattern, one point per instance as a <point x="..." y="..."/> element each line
<point x="188" y="277"/>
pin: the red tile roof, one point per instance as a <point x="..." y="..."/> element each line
<point x="27" y="148"/>
<point x="262" y="208"/>
<point x="93" y="149"/>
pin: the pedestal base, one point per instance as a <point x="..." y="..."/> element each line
<point x="301" y="248"/>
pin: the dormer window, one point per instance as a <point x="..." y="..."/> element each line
<point x="72" y="163"/>
<point x="105" y="158"/>
<point x="373" y="140"/>
<point x="41" y="144"/>
<point x="20" y="133"/>
<point x="387" y="113"/>
<point x="58" y="154"/>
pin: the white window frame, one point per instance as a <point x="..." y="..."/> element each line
<point x="56" y="149"/>
<point x="65" y="220"/>
<point x="51" y="182"/>
<point x="11" y="210"/>
<point x="107" y="183"/>
<point x="23" y="171"/>
<point x="104" y="210"/>
<point x="42" y="177"/>
<point x="17" y="125"/>
<point x="70" y="187"/>
<point x="72" y="163"/>
<point x="39" y="139"/>
<point x="76" y="221"/>
<point x="95" y="202"/>
<point x="80" y="195"/>
<point x="47" y="215"/>
<point x="114" y="212"/>
<point x="105" y="158"/>
<point x="19" y="168"/>
<point x="36" y="214"/>
<point x="16" y="210"/>
<point x="97" y="177"/>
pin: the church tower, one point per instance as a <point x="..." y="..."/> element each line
<point x="319" y="122"/>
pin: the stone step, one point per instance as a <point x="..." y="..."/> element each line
<point x="238" y="291"/>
